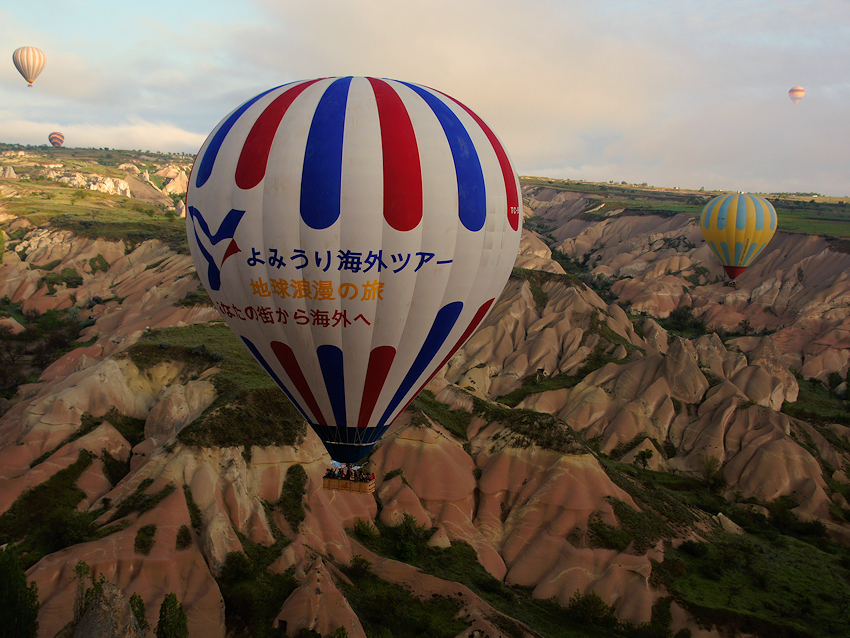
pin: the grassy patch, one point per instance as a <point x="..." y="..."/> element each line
<point x="455" y="421"/>
<point x="291" y="501"/>
<point x="199" y="297"/>
<point x="140" y="501"/>
<point x="817" y="404"/>
<point x="252" y="595"/>
<point x="750" y="584"/>
<point x="44" y="519"/>
<point x="194" y="510"/>
<point x="249" y="408"/>
<point x="371" y="597"/>
<point x="408" y="542"/>
<point x="544" y="430"/>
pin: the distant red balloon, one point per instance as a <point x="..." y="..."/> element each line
<point x="56" y="138"/>
<point x="796" y="94"/>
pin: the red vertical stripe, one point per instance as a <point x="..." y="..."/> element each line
<point x="380" y="360"/>
<point x="507" y="170"/>
<point x="287" y="359"/>
<point x="402" y="171"/>
<point x="254" y="158"/>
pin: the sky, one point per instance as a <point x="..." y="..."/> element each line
<point x="682" y="93"/>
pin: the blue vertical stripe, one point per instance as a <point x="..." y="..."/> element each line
<point x="259" y="357"/>
<point x="472" y="195"/>
<point x="727" y="260"/>
<point x="759" y="205"/>
<point x="749" y="256"/>
<point x="739" y="249"/>
<point x="716" y="252"/>
<point x="741" y="217"/>
<point x="205" y="166"/>
<point x="321" y="178"/>
<point x="772" y="218"/>
<point x="330" y="360"/>
<point x="443" y="324"/>
<point x="723" y="212"/>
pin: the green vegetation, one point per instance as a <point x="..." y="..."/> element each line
<point x="130" y="428"/>
<point x="140" y="501"/>
<point x="455" y="421"/>
<point x="253" y="595"/>
<point x="585" y="616"/>
<point x="144" y="539"/>
<point x="291" y="501"/>
<point x="184" y="538"/>
<point x="45" y="519"/>
<point x="199" y="297"/>
<point x="194" y="510"/>
<point x="18" y="599"/>
<point x="45" y="338"/>
<point x="173" y="622"/>
<point x="750" y="584"/>
<point x="798" y="212"/>
<point x="387" y="610"/>
<point x="137" y="606"/>
<point x="817" y="404"/>
<point x="249" y="408"/>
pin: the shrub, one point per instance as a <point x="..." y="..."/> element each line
<point x="184" y="538"/>
<point x="144" y="540"/>
<point x="291" y="501"/>
<point x="590" y="609"/>
<point x="172" y="619"/>
<point x="137" y="606"/>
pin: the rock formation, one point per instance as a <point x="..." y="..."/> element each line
<point x="524" y="486"/>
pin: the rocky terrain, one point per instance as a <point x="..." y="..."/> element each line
<point x="574" y="450"/>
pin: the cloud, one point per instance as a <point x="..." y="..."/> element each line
<point x="650" y="91"/>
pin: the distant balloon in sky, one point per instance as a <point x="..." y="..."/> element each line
<point x="796" y="94"/>
<point x="29" y="61"/>
<point x="737" y="228"/>
<point x="353" y="232"/>
<point x="56" y="138"/>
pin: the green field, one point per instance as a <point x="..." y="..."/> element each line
<point x="798" y="213"/>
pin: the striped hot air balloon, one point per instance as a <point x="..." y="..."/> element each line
<point x="737" y="228"/>
<point x="353" y="232"/>
<point x="29" y="61"/>
<point x="796" y="94"/>
<point x="56" y="138"/>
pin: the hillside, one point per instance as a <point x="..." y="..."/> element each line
<point x="626" y="447"/>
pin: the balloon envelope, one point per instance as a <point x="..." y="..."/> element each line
<point x="56" y="138"/>
<point x="29" y="61"/>
<point x="353" y="232"/>
<point x="796" y="94"/>
<point x="737" y="228"/>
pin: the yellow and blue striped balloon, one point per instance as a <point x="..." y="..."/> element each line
<point x="737" y="228"/>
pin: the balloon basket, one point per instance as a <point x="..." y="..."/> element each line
<point x="345" y="485"/>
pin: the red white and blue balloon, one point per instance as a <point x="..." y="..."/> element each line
<point x="354" y="232"/>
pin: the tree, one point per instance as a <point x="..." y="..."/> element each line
<point x="642" y="457"/>
<point x="172" y="619"/>
<point x="18" y="600"/>
<point x="712" y="473"/>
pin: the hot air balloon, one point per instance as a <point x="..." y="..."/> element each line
<point x="56" y="138"/>
<point x="796" y="94"/>
<point x="29" y="61"/>
<point x="353" y="232"/>
<point x="737" y="228"/>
